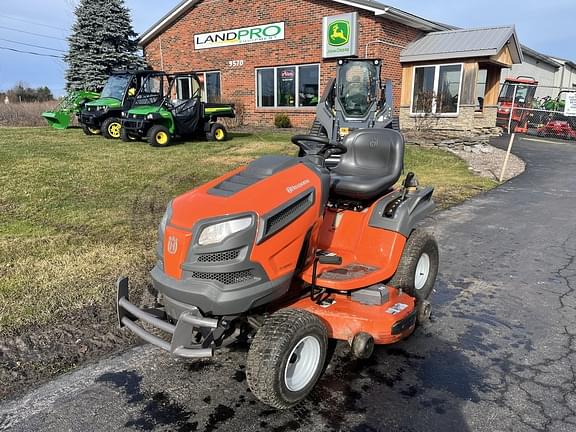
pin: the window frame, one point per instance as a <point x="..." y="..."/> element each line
<point x="435" y="89"/>
<point x="204" y="94"/>
<point x="297" y="87"/>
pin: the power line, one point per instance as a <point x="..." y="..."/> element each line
<point x="31" y="33"/>
<point x="15" y="18"/>
<point x="31" y="45"/>
<point x="31" y="52"/>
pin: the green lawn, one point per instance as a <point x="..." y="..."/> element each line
<point x="76" y="212"/>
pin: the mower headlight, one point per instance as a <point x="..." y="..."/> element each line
<point x="166" y="218"/>
<point x="153" y="116"/>
<point x="219" y="232"/>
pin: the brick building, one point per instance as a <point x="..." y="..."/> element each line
<point x="268" y="56"/>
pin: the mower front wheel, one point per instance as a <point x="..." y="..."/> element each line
<point x="159" y="136"/>
<point x="112" y="128"/>
<point x="418" y="268"/>
<point x="217" y="132"/>
<point x="286" y="357"/>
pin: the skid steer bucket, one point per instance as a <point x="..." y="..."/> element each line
<point x="57" y="119"/>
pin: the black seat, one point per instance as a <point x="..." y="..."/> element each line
<point x="371" y="166"/>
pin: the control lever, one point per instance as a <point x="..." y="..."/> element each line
<point x="322" y="259"/>
<point x="410" y="184"/>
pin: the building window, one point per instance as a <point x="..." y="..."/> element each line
<point x="436" y="89"/>
<point x="210" y="83"/>
<point x="288" y="86"/>
<point x="481" y="89"/>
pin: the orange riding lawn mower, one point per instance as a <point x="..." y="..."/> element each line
<point x="288" y="256"/>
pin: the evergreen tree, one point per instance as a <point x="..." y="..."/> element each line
<point x="102" y="41"/>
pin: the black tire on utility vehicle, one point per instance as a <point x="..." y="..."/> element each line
<point x="217" y="132"/>
<point x="126" y="137"/>
<point x="90" y="131"/>
<point x="418" y="268"/>
<point x="286" y="357"/>
<point x="112" y="128"/>
<point x="159" y="136"/>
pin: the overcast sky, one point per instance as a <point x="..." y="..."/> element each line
<point x="547" y="26"/>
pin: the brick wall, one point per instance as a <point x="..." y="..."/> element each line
<point x="302" y="44"/>
<point x="467" y="123"/>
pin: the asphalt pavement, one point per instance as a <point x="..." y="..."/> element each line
<point x="498" y="355"/>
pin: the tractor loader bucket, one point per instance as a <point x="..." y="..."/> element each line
<point x="58" y="120"/>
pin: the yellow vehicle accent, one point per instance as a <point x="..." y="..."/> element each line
<point x="219" y="134"/>
<point x="114" y="130"/>
<point x="162" y="138"/>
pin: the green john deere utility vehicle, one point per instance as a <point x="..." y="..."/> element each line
<point x="170" y="106"/>
<point x="103" y="116"/>
<point x="71" y="105"/>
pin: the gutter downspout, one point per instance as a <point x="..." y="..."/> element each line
<point x="161" y="53"/>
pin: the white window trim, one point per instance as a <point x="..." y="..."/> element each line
<point x="297" y="86"/>
<point x="436" y="79"/>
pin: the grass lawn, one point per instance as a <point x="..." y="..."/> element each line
<point x="77" y="211"/>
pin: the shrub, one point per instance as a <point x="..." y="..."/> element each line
<point x="282" y="121"/>
<point x="240" y="110"/>
<point x="25" y="114"/>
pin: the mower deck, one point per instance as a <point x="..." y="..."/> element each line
<point x="345" y="318"/>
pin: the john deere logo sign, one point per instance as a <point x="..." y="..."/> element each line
<point x="340" y="35"/>
<point x="241" y="36"/>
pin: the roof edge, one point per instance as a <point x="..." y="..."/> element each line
<point x="377" y="8"/>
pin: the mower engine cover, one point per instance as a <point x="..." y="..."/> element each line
<point x="234" y="243"/>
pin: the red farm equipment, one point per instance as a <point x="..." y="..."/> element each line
<point x="516" y="95"/>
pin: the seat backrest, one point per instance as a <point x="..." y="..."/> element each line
<point x="373" y="153"/>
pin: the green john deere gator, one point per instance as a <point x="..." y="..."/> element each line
<point x="71" y="105"/>
<point x="104" y="115"/>
<point x="170" y="106"/>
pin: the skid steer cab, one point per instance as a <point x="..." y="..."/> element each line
<point x="287" y="255"/>
<point x="104" y="115"/>
<point x="170" y="106"/>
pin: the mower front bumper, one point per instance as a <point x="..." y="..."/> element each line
<point x="188" y="323"/>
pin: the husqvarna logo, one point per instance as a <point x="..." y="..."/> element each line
<point x="297" y="186"/>
<point x="172" y="245"/>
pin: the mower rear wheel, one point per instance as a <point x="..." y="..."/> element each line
<point x="159" y="136"/>
<point x="418" y="268"/>
<point x="217" y="132"/>
<point x="286" y="357"/>
<point x="112" y="128"/>
<point x="90" y="131"/>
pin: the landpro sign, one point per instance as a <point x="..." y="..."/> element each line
<point x="340" y="35"/>
<point x="241" y="36"/>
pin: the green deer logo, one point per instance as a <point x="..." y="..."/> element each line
<point x="339" y="33"/>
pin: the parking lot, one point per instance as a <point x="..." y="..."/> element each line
<point x="498" y="355"/>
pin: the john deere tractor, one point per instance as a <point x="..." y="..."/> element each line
<point x="103" y="116"/>
<point x="170" y="106"/>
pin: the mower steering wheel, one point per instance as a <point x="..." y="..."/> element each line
<point x="303" y="141"/>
